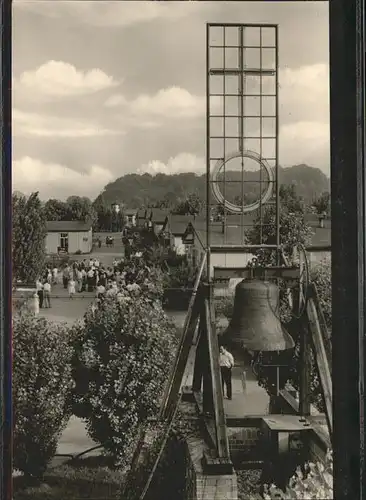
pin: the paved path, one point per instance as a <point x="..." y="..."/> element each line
<point x="66" y="310"/>
<point x="248" y="398"/>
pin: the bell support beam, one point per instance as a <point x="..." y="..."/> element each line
<point x="305" y="358"/>
<point x="304" y="375"/>
<point x="199" y="361"/>
<point x="217" y="393"/>
<point x="290" y="274"/>
<point x="172" y="392"/>
<point x="171" y="396"/>
<point x="321" y="360"/>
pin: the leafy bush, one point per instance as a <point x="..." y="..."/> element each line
<point x="82" y="479"/>
<point x="57" y="260"/>
<point x="178" y="283"/>
<point x="182" y="276"/>
<point x="316" y="482"/>
<point x="321" y="276"/>
<point x="149" y="279"/>
<point x="165" y="257"/>
<point x="224" y="307"/>
<point x="41" y="384"/>
<point x="293" y="230"/>
<point x="123" y="355"/>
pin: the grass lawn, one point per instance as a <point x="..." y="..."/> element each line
<point x="85" y="478"/>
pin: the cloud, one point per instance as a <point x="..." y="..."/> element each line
<point x="37" y="125"/>
<point x="169" y="103"/>
<point x="301" y="142"/>
<point x="31" y="175"/>
<point x="304" y="93"/>
<point x="183" y="162"/>
<point x="55" y="79"/>
<point x="116" y="100"/>
<point x="305" y="142"/>
<point x="111" y="14"/>
<point x="303" y="96"/>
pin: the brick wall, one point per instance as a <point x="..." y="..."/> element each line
<point x="242" y="441"/>
<point x="200" y="486"/>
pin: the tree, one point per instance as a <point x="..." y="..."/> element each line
<point x="56" y="210"/>
<point x="75" y="208"/>
<point x="293" y="230"/>
<point x="192" y="205"/>
<point x="165" y="203"/>
<point x="81" y="209"/>
<point x="322" y="204"/>
<point x="289" y="198"/>
<point x="117" y="221"/>
<point x="29" y="238"/>
<point x="217" y="212"/>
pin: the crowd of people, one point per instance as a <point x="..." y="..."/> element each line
<point x="90" y="275"/>
<point x="87" y="275"/>
<point x="43" y="286"/>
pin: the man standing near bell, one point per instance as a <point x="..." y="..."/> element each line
<point x="226" y="364"/>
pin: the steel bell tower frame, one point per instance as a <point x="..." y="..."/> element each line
<point x="241" y="125"/>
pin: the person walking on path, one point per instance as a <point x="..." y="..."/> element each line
<point x="226" y="365"/>
<point x="65" y="276"/>
<point x="54" y="275"/>
<point x="47" y="294"/>
<point x="71" y="287"/>
<point x="49" y="276"/>
<point x="39" y="289"/>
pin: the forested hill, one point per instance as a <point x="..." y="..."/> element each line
<point x="135" y="190"/>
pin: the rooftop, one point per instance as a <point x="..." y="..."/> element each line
<point x="233" y="236"/>
<point x="158" y="215"/>
<point x="65" y="226"/>
<point x="130" y="211"/>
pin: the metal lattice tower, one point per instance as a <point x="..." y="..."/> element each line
<point x="242" y="131"/>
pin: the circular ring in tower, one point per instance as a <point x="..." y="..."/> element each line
<point x="263" y="197"/>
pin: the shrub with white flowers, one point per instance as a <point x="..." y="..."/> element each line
<point x="134" y="271"/>
<point x="315" y="483"/>
<point x="123" y="355"/>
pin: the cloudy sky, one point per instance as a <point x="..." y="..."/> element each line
<point x="101" y="89"/>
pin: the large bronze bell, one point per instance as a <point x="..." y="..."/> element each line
<point x="255" y="324"/>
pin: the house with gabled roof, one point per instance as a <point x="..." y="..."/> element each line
<point x="158" y="217"/>
<point x="141" y="216"/>
<point x="69" y="237"/>
<point x="173" y="231"/>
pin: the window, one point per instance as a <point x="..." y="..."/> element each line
<point x="64" y="241"/>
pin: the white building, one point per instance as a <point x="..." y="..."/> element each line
<point x="69" y="237"/>
<point x="130" y="216"/>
